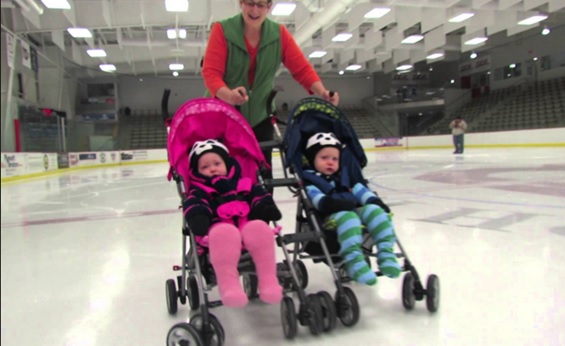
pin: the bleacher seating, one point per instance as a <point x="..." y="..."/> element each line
<point x="539" y="105"/>
<point x="148" y="130"/>
<point x="363" y="124"/>
<point x="530" y="106"/>
<point x="474" y="109"/>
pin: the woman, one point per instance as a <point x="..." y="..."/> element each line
<point x="243" y="55"/>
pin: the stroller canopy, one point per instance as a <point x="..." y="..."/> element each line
<point x="313" y="115"/>
<point x="205" y="118"/>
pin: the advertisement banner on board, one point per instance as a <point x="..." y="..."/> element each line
<point x="13" y="164"/>
<point x="389" y="142"/>
<point x="40" y="162"/>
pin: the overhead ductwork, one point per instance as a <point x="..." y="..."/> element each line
<point x="332" y="10"/>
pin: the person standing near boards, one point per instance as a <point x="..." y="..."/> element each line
<point x="458" y="128"/>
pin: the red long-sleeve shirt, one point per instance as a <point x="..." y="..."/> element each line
<point x="217" y="53"/>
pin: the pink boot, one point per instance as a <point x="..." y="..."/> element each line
<point x="225" y="251"/>
<point x="259" y="240"/>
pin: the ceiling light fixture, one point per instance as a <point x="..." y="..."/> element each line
<point x="434" y="56"/>
<point x="377" y="12"/>
<point x="461" y="17"/>
<point x="475" y="41"/>
<point x="341" y="72"/>
<point x="175" y="73"/>
<point x="546" y="31"/>
<point x="404" y="67"/>
<point x="96" y="53"/>
<point x="57" y="4"/>
<point x="176" y="5"/>
<point x="176" y="33"/>
<point x="413" y="39"/>
<point x="283" y="9"/>
<point x="107" y="67"/>
<point x="353" y="67"/>
<point x="533" y="20"/>
<point x="473" y="55"/>
<point x="176" y="67"/>
<point x="79" y="32"/>
<point x="317" y="54"/>
<point x="344" y="36"/>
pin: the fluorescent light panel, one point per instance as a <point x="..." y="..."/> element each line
<point x="344" y="36"/>
<point x="475" y="41"/>
<point x="317" y="54"/>
<point x="172" y="33"/>
<point x="96" y="53"/>
<point x="79" y="32"/>
<point x="377" y="12"/>
<point x="57" y="4"/>
<point x="533" y="20"/>
<point x="403" y="67"/>
<point x="353" y="67"/>
<point x="107" y="67"/>
<point x="176" y="67"/>
<point x="413" y="39"/>
<point x="461" y="17"/>
<point x="176" y="5"/>
<point x="434" y="56"/>
<point x="283" y="9"/>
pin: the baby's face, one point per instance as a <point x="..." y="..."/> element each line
<point x="327" y="160"/>
<point x="212" y="164"/>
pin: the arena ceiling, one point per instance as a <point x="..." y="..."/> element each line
<point x="133" y="33"/>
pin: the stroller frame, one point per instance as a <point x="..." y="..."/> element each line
<point x="412" y="287"/>
<point x="203" y="327"/>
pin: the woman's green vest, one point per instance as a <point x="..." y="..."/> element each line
<point x="267" y="64"/>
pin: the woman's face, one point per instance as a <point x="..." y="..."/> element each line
<point x="254" y="12"/>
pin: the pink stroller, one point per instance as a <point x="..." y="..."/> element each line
<point x="198" y="120"/>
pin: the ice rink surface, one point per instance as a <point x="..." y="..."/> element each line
<point x="85" y="255"/>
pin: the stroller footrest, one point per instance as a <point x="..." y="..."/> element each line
<point x="300" y="237"/>
<point x="281" y="182"/>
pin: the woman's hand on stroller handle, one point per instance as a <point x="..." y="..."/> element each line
<point x="332" y="97"/>
<point x="236" y="96"/>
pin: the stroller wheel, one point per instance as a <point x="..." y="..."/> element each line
<point x="250" y="285"/>
<point x="347" y="307"/>
<point x="408" y="297"/>
<point x="171" y="294"/>
<point x="282" y="275"/>
<point x="215" y="334"/>
<point x="314" y="314"/>
<point x="288" y="317"/>
<point x="329" y="314"/>
<point x="432" y="293"/>
<point x="302" y="273"/>
<point x="183" y="334"/>
<point x="192" y="292"/>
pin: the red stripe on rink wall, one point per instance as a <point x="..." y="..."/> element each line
<point x="17" y="135"/>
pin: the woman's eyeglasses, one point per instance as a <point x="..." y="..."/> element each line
<point x="260" y="5"/>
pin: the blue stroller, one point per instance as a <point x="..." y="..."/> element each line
<point x="313" y="115"/>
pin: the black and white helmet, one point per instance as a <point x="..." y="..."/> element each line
<point x="201" y="147"/>
<point x="323" y="139"/>
<point x="318" y="141"/>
